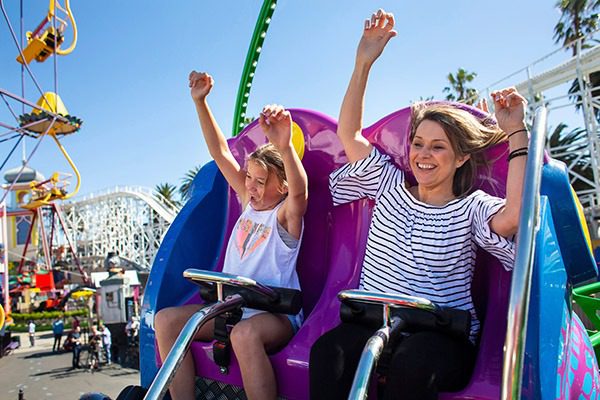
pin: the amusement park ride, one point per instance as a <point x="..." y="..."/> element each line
<point x="532" y="346"/>
<point x="36" y="201"/>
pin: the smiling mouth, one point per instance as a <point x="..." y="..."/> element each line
<point x="425" y="166"/>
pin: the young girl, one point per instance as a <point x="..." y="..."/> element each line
<point x="264" y="245"/>
<point x="423" y="238"/>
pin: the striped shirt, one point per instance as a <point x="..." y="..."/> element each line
<point x="417" y="249"/>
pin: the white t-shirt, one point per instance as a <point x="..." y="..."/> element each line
<point x="31" y="328"/>
<point x="106" y="337"/>
<point x="256" y="251"/>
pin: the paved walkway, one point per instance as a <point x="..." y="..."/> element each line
<point x="43" y="374"/>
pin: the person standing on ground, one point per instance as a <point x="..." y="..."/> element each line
<point x="95" y="344"/>
<point x="132" y="330"/>
<point x="31" y="329"/>
<point x="76" y="341"/>
<point x="106" y="342"/>
<point x="58" y="327"/>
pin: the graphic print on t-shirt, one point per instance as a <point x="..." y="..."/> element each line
<point x="249" y="236"/>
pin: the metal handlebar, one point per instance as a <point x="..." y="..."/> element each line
<point x="375" y="345"/>
<point x="392" y="300"/>
<point x="165" y="375"/>
<point x="220" y="278"/>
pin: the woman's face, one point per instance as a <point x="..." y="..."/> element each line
<point x="433" y="161"/>
<point x="263" y="188"/>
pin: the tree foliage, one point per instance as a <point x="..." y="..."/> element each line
<point x="185" y="189"/>
<point x="166" y="191"/>
<point x="459" y="89"/>
<point x="578" y="19"/>
<point x="570" y="148"/>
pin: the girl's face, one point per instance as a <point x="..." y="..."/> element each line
<point x="262" y="187"/>
<point x="433" y="161"/>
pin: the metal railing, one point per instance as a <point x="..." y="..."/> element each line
<point x="165" y="375"/>
<point x="514" y="345"/>
<point x="377" y="342"/>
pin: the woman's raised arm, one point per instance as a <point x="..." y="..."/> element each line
<point x="510" y="113"/>
<point x="377" y="32"/>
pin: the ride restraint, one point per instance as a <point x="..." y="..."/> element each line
<point x="287" y="301"/>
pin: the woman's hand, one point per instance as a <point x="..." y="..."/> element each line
<point x="201" y="84"/>
<point x="509" y="107"/>
<point x="377" y="33"/>
<point x="276" y="123"/>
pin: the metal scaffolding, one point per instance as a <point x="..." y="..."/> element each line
<point x="565" y="86"/>
<point x="128" y="220"/>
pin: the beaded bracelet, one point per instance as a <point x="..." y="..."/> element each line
<point x="515" y="132"/>
<point x="517" y="153"/>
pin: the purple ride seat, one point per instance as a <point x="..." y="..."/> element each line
<point x="318" y="267"/>
<point x="332" y="252"/>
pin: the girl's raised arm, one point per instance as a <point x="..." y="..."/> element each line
<point x="276" y="122"/>
<point x="201" y="84"/>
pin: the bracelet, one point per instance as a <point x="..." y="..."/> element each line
<point x="517" y="131"/>
<point x="518" y="153"/>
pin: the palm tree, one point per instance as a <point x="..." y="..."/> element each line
<point x="578" y="19"/>
<point x="166" y="191"/>
<point x="185" y="189"/>
<point x="458" y="89"/>
<point x="570" y="147"/>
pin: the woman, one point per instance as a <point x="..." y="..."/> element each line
<point x="264" y="245"/>
<point x="423" y="238"/>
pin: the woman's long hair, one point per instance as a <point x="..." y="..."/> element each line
<point x="468" y="135"/>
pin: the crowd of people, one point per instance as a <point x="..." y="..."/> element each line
<point x="97" y="340"/>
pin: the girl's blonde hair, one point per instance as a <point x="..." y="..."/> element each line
<point x="269" y="158"/>
<point x="468" y="135"/>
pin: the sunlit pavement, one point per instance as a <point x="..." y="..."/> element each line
<point x="43" y="374"/>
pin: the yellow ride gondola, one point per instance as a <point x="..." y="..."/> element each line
<point x="44" y="41"/>
<point x="45" y="192"/>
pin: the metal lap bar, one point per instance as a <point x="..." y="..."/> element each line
<point x="376" y="343"/>
<point x="220" y="278"/>
<point x="387" y="298"/>
<point x="163" y="379"/>
<point x="514" y="345"/>
<point x="370" y="356"/>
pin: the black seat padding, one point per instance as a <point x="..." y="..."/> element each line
<point x="451" y="321"/>
<point x="289" y="300"/>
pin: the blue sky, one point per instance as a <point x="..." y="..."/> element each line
<point x="127" y="78"/>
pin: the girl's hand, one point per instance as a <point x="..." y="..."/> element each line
<point x="276" y="123"/>
<point x="376" y="34"/>
<point x="482" y="104"/>
<point x="201" y="84"/>
<point x="509" y="107"/>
